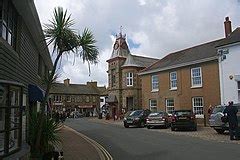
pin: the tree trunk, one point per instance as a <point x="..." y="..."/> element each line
<point x="49" y="84"/>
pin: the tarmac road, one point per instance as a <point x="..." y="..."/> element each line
<point x="141" y="144"/>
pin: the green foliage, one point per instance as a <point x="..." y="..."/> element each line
<point x="49" y="134"/>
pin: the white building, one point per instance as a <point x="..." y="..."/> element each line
<point x="229" y="65"/>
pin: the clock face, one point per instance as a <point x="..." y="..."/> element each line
<point x="116" y="46"/>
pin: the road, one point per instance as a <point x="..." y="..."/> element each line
<point x="142" y="144"/>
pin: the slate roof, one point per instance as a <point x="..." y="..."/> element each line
<point x="233" y="38"/>
<point x="102" y="91"/>
<point x="206" y="51"/>
<point x="61" y="88"/>
<point x="138" y="61"/>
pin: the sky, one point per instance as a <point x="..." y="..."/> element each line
<point x="154" y="28"/>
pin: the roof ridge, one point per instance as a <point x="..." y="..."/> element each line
<point x="145" y="57"/>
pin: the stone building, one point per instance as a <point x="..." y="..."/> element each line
<point x="84" y="98"/>
<point x="124" y="84"/>
<point x="24" y="61"/>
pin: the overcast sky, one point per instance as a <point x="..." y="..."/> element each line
<point x="154" y="28"/>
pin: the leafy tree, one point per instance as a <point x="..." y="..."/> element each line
<point x="65" y="40"/>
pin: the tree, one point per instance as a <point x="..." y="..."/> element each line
<point x="65" y="40"/>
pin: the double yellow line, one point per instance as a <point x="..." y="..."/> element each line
<point x="102" y="152"/>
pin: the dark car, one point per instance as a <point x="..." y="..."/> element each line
<point x="136" y="118"/>
<point x="157" y="119"/>
<point x="183" y="119"/>
<point x="216" y="118"/>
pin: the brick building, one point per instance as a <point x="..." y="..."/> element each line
<point x="84" y="98"/>
<point x="24" y="61"/>
<point x="124" y="84"/>
<point x="187" y="79"/>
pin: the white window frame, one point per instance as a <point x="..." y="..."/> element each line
<point x="151" y="105"/>
<point x="193" y="77"/>
<point x="129" y="79"/>
<point x="170" y="105"/>
<point x="238" y="86"/>
<point x="155" y="84"/>
<point x="198" y="107"/>
<point x="173" y="81"/>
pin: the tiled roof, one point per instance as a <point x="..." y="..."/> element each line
<point x="60" y="88"/>
<point x="233" y="38"/>
<point x="196" y="53"/>
<point x="102" y="91"/>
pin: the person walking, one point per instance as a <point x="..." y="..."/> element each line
<point x="231" y="112"/>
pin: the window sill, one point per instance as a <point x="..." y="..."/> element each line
<point x="154" y="91"/>
<point x="196" y="87"/>
<point x="7" y="47"/>
<point x="199" y="116"/>
<point x="173" y="89"/>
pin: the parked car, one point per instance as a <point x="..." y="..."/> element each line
<point x="136" y="118"/>
<point x="157" y="119"/>
<point x="216" y="118"/>
<point x="183" y="119"/>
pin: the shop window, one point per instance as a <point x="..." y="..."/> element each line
<point x="10" y="127"/>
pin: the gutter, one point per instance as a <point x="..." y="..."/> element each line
<point x="178" y="65"/>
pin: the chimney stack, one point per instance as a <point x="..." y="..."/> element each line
<point x="66" y="82"/>
<point x="228" y="27"/>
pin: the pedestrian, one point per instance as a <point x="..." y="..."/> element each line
<point x="210" y="109"/>
<point x="231" y="112"/>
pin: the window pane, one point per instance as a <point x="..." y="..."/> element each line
<point x="13" y="140"/>
<point x="2" y="119"/>
<point x="4" y="32"/>
<point x="1" y="143"/>
<point x="15" y="116"/>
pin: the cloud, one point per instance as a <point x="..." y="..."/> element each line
<point x="157" y="27"/>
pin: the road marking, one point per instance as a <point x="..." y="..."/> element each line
<point x="103" y="153"/>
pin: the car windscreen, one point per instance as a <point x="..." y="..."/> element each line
<point x="218" y="109"/>
<point x="157" y="114"/>
<point x="135" y="113"/>
<point x="182" y="113"/>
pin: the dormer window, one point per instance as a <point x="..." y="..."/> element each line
<point x="129" y="79"/>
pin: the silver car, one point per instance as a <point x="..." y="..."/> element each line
<point x="215" y="119"/>
<point x="157" y="119"/>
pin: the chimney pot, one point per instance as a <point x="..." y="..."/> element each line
<point x="228" y="27"/>
<point x="66" y="82"/>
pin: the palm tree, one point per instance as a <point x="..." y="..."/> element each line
<point x="65" y="40"/>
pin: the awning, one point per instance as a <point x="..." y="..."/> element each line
<point x="35" y="93"/>
<point x="111" y="99"/>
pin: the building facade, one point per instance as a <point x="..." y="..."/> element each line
<point x="187" y="79"/>
<point x="84" y="98"/>
<point x="124" y="84"/>
<point x="229" y="64"/>
<point x="24" y="61"/>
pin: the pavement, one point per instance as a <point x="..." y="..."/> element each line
<point x="77" y="146"/>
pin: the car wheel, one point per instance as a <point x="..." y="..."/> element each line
<point x="220" y="131"/>
<point x="148" y="127"/>
<point x="126" y="125"/>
